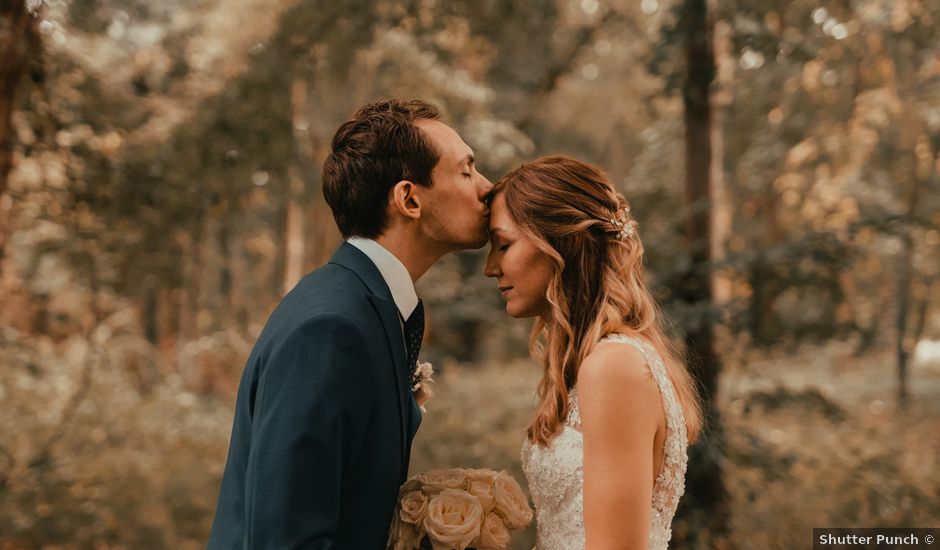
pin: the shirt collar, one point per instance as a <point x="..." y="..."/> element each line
<point x="393" y="271"/>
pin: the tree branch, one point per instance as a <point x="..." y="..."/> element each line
<point x="585" y="37"/>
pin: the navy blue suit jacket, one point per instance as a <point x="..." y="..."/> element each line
<point x="324" y="418"/>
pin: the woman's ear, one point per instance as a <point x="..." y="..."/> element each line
<point x="406" y="200"/>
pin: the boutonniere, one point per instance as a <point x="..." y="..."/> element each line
<point x="420" y="384"/>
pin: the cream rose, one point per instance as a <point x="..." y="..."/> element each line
<point x="410" y="485"/>
<point x="454" y="519"/>
<point x="483" y="490"/>
<point x="493" y="534"/>
<point x="481" y="474"/>
<point x="414" y="507"/>
<point x="436" y="480"/>
<point x="511" y="502"/>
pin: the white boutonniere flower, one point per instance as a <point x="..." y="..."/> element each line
<point x="420" y="384"/>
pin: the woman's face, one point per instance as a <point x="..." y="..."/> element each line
<point x="521" y="270"/>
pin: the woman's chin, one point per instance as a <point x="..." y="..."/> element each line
<point x="516" y="312"/>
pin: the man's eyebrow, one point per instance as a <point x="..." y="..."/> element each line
<point x="467" y="159"/>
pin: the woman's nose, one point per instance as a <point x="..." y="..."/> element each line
<point x="491" y="269"/>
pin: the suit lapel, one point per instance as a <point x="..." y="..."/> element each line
<point x="355" y="260"/>
<point x="388" y="312"/>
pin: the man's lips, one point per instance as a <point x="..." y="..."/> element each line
<point x="504" y="289"/>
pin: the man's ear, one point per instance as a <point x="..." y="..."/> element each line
<point x="405" y="199"/>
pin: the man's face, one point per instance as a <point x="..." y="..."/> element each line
<point x="454" y="211"/>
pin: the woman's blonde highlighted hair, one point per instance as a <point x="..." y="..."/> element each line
<point x="571" y="212"/>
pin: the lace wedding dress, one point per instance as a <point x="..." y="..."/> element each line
<point x="555" y="473"/>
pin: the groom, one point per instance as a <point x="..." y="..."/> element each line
<point x="325" y="414"/>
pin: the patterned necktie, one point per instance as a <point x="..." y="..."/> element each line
<point x="414" y="331"/>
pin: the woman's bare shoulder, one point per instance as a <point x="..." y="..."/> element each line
<point x="617" y="373"/>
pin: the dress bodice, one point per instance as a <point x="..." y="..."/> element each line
<point x="556" y="472"/>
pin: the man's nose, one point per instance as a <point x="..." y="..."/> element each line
<point x="486" y="188"/>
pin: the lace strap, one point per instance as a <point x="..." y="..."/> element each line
<point x="670" y="484"/>
<point x="574" y="412"/>
<point x="675" y="419"/>
<point x="655" y="364"/>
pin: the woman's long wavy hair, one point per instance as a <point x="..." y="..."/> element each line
<point x="566" y="207"/>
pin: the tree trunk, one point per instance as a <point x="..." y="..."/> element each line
<point x="909" y="134"/>
<point x="168" y="319"/>
<point x="223" y="239"/>
<point x="904" y="344"/>
<point x="760" y="279"/>
<point x="920" y="322"/>
<point x="720" y="207"/>
<point x="149" y="312"/>
<point x="189" y="292"/>
<point x="18" y="38"/>
<point x="324" y="235"/>
<point x="703" y="515"/>
<point x="16" y="25"/>
<point x="295" y="231"/>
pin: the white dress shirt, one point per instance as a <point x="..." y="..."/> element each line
<point x="393" y="271"/>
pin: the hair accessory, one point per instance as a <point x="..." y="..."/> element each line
<point x="623" y="226"/>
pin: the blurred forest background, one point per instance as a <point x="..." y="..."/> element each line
<point x="159" y="192"/>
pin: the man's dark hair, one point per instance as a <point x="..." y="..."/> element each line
<point x="370" y="153"/>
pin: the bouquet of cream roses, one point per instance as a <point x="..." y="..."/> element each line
<point x="458" y="509"/>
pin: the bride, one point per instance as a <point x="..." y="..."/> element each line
<point x="605" y="454"/>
